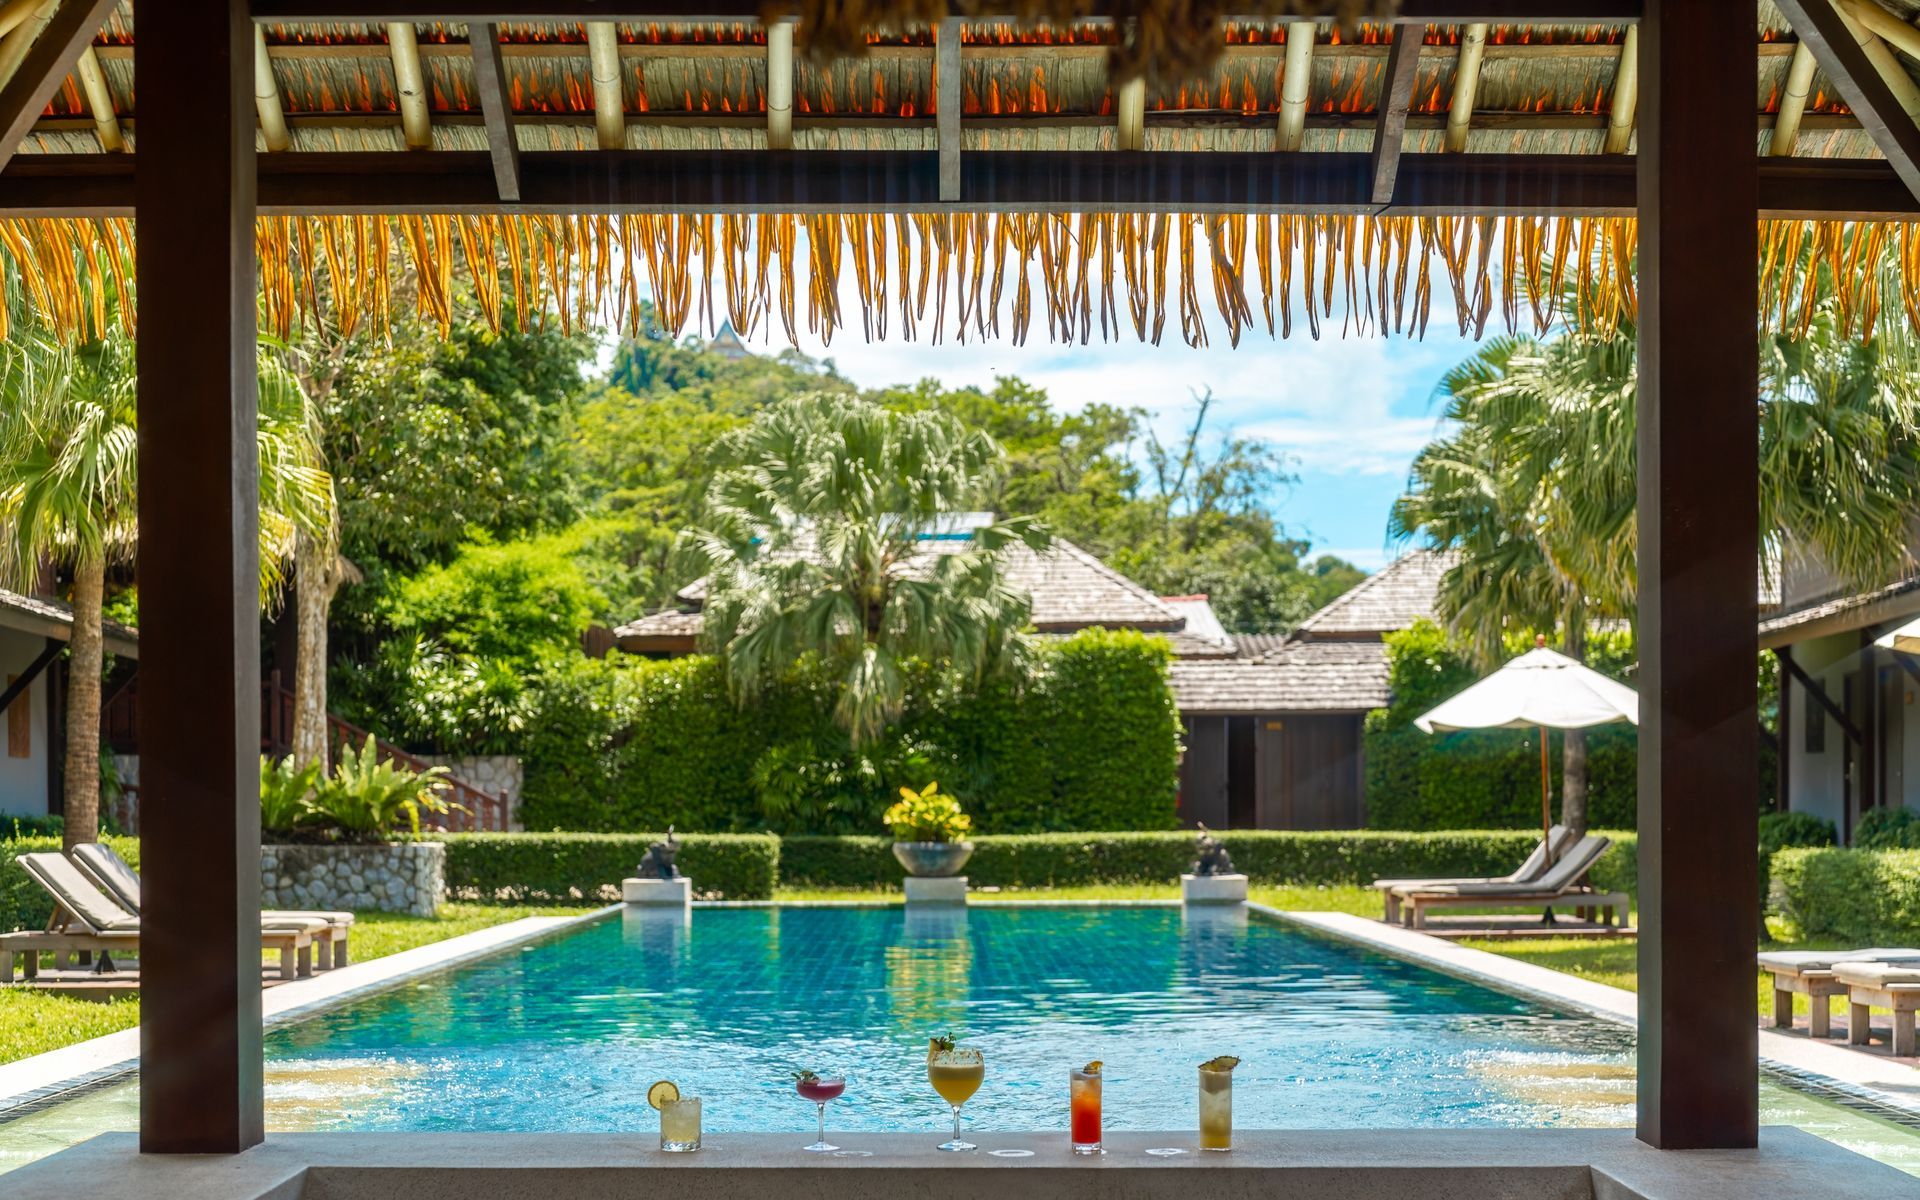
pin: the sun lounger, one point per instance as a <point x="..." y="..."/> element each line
<point x="1872" y="985"/>
<point x="1556" y="841"/>
<point x="111" y="874"/>
<point x="86" y="919"/>
<point x="1810" y="973"/>
<point x="1559" y="884"/>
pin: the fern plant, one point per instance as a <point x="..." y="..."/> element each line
<point x="286" y="793"/>
<point x="367" y="798"/>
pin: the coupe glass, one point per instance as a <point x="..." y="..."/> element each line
<point x="956" y="1075"/>
<point x="820" y="1089"/>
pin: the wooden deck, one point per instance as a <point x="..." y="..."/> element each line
<point x="83" y="983"/>
<point x="1564" y="925"/>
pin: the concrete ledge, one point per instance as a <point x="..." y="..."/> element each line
<point x="936" y="889"/>
<point x="659" y="893"/>
<point x="1213" y="889"/>
<point x="1433" y="1164"/>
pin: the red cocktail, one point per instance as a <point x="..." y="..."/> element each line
<point x="819" y="1089"/>
<point x="1083" y="1109"/>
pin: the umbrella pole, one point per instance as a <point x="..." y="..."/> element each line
<point x="1546" y="813"/>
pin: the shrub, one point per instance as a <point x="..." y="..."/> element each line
<point x="1268" y="856"/>
<point x="1858" y="897"/>
<point x="927" y="816"/>
<point x="539" y="868"/>
<point x="1779" y="830"/>
<point x="365" y="799"/>
<point x="1885" y="829"/>
<point x="24" y="904"/>
<point x="12" y="827"/>
<point x="286" y="794"/>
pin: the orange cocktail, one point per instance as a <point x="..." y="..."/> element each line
<point x="1083" y="1109"/>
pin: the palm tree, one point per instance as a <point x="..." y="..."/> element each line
<point x="1534" y="490"/>
<point x="68" y="490"/>
<point x="814" y="546"/>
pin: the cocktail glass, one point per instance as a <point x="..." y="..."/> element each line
<point x="956" y="1075"/>
<point x="1216" y="1109"/>
<point x="680" y="1125"/>
<point x="820" y="1089"/>
<point x="1083" y="1111"/>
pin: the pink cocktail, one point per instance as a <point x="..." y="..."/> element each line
<point x="819" y="1089"/>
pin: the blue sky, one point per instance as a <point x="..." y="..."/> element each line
<point x="1350" y="413"/>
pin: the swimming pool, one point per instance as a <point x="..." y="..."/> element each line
<point x="567" y="1033"/>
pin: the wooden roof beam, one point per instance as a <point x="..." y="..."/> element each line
<point x="1626" y="94"/>
<point x="410" y="85"/>
<point x="47" y="61"/>
<point x="1130" y="109"/>
<point x="780" y="85"/>
<point x="490" y="86"/>
<point x="1412" y="12"/>
<point x="1396" y="96"/>
<point x="609" y="93"/>
<point x="1870" y="79"/>
<point x="1466" y="85"/>
<point x="1296" y="80"/>
<point x="947" y="105"/>
<point x="266" y="96"/>
<point x="1793" y="103"/>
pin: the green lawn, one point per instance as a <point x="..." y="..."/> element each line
<point x="33" y="1023"/>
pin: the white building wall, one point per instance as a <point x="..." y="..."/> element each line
<point x="23" y="778"/>
<point x="1816" y="782"/>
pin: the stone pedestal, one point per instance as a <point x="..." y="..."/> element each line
<point x="658" y="893"/>
<point x="1213" y="889"/>
<point x="936" y="889"/>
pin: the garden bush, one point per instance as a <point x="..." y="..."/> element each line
<point x="1886" y="829"/>
<point x="539" y="868"/>
<point x="1356" y="857"/>
<point x="1856" y="897"/>
<point x="1090" y="740"/>
<point x="24" y="904"/>
<point x="1779" y="830"/>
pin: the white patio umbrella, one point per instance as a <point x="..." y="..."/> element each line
<point x="1541" y="689"/>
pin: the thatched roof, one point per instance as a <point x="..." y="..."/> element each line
<point x="959" y="270"/>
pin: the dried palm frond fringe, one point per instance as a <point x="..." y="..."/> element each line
<point x="963" y="275"/>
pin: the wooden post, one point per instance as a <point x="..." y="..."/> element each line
<point x="946" y="82"/>
<point x="200" y="1067"/>
<point x="1699" y="536"/>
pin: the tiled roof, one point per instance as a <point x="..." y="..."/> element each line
<point x="668" y="623"/>
<point x="1841" y="614"/>
<point x="1299" y="677"/>
<point x="1253" y="645"/>
<point x="50" y="618"/>
<point x="1392" y="598"/>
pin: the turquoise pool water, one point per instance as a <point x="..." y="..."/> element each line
<point x="567" y="1034"/>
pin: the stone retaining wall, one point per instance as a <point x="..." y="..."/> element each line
<point x="409" y="877"/>
<point x="495" y="774"/>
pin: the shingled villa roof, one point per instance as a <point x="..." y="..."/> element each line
<point x="1299" y="677"/>
<point x="1393" y="598"/>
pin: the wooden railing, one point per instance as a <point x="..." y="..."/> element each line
<point x="472" y="809"/>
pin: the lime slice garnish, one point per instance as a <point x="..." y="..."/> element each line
<point x="1226" y="1062"/>
<point x="662" y="1093"/>
<point x="1092" y="1068"/>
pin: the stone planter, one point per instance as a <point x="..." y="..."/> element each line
<point x="405" y="877"/>
<point x="933" y="860"/>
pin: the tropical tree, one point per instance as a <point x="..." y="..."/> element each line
<point x="68" y="491"/>
<point x="814" y="547"/>
<point x="1534" y="488"/>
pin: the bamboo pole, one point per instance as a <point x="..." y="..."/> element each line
<point x="1296" y="79"/>
<point x="1626" y="94"/>
<point x="780" y="85"/>
<point x="1901" y="84"/>
<point x="1132" y="112"/>
<point x="1884" y="24"/>
<point x="106" y="122"/>
<point x="15" y="12"/>
<point x="1793" y="102"/>
<point x="609" y="99"/>
<point x="266" y="96"/>
<point x="1466" y="85"/>
<point x="25" y="30"/>
<point x="410" y="85"/>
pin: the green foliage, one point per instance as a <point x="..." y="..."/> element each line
<point x="536" y="868"/>
<point x="13" y="828"/>
<point x="24" y="904"/>
<point x="1091" y="741"/>
<point x="1856" y="897"/>
<point x="1475" y="779"/>
<point x="1885" y="829"/>
<point x="927" y="816"/>
<point x="286" y="793"/>
<point x="1267" y="856"/>
<point x="1779" y="830"/>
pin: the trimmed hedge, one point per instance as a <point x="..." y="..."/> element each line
<point x="539" y="868"/>
<point x="1090" y="740"/>
<point x="1859" y="897"/>
<point x="1356" y="857"/>
<point x="24" y="904"/>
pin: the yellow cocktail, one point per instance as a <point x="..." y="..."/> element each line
<point x="956" y="1073"/>
<point x="1216" y="1103"/>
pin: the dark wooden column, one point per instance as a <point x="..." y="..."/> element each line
<point x="1699" y="546"/>
<point x="200" y="1088"/>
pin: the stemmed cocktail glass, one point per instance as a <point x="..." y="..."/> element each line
<point x="819" y="1089"/>
<point x="955" y="1072"/>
